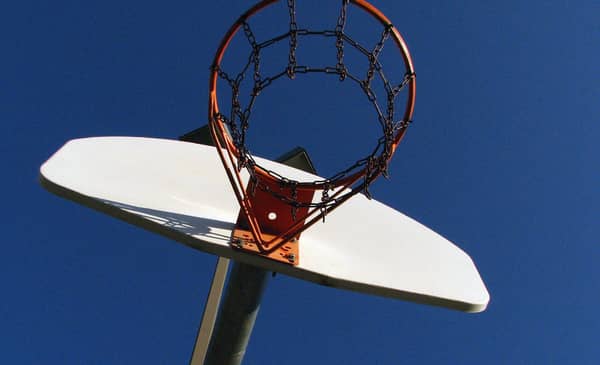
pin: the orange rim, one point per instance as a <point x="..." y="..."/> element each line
<point x="214" y="104"/>
<point x="229" y="153"/>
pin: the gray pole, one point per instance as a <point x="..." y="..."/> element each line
<point x="245" y="287"/>
<point x="237" y="315"/>
<point x="243" y="295"/>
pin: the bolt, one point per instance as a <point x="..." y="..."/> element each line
<point x="291" y="257"/>
<point x="237" y="242"/>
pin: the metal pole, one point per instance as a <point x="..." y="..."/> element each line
<point x="244" y="290"/>
<point x="243" y="295"/>
<point x="237" y="315"/>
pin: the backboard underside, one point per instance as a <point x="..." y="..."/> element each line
<point x="180" y="190"/>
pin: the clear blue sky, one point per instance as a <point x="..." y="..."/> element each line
<point x="503" y="159"/>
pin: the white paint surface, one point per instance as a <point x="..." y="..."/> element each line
<point x="180" y="190"/>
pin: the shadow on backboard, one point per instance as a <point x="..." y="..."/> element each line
<point x="207" y="234"/>
<point x="201" y="228"/>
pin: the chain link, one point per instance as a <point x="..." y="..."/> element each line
<point x="293" y="39"/>
<point x="374" y="55"/>
<point x="294" y="197"/>
<point x="255" y="56"/>
<point x="339" y="42"/>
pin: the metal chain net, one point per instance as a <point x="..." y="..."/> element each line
<point x="238" y="119"/>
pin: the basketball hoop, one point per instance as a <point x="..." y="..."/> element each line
<point x="274" y="209"/>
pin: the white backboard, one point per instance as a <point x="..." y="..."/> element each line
<point x="180" y="190"/>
